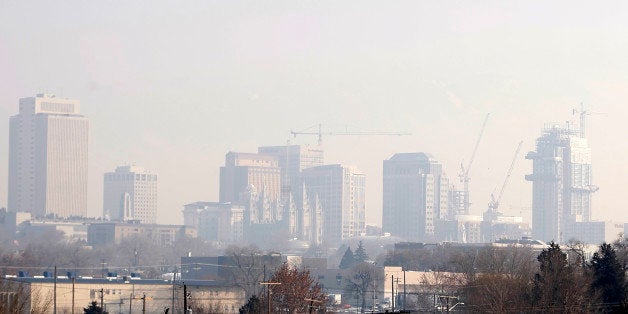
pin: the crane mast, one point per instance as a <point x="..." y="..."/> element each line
<point x="464" y="173"/>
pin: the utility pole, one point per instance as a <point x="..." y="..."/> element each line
<point x="392" y="290"/>
<point x="269" y="284"/>
<point x="54" y="310"/>
<point x="131" y="303"/>
<point x="174" y="277"/>
<point x="73" y="281"/>
<point x="144" y="303"/>
<point x="185" y="298"/>
<point x="102" y="296"/>
<point x="312" y="304"/>
<point x="404" y="290"/>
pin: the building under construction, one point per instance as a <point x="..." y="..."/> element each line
<point x="561" y="185"/>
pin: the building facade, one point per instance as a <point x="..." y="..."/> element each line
<point x="561" y="184"/>
<point x="130" y="193"/>
<point x="48" y="144"/>
<point x="292" y="159"/>
<point x="119" y="295"/>
<point x="221" y="222"/>
<point x="341" y="192"/>
<point x="302" y="215"/>
<point x="415" y="195"/>
<point x="243" y="170"/>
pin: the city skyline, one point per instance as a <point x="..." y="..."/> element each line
<point x="268" y="159"/>
<point x="177" y="105"/>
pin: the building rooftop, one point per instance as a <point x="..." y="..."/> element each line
<point x="412" y="157"/>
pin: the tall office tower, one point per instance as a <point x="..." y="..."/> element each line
<point x="48" y="142"/>
<point x="292" y="159"/>
<point x="415" y="196"/>
<point x="130" y="193"/>
<point x="561" y="183"/>
<point x="340" y="191"/>
<point x="245" y="170"/>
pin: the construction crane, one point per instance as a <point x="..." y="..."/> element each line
<point x="583" y="114"/>
<point x="494" y="202"/>
<point x="320" y="133"/>
<point x="464" y="172"/>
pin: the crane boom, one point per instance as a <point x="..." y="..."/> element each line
<point x="494" y="204"/>
<point x="320" y="133"/>
<point x="475" y="148"/>
<point x="464" y="173"/>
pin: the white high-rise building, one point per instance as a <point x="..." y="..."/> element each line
<point x="48" y="143"/>
<point x="340" y="191"/>
<point x="130" y="193"/>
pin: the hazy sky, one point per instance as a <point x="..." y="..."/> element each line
<point x="172" y="86"/>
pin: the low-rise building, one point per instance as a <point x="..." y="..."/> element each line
<point x="114" y="232"/>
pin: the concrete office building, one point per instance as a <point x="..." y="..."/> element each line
<point x="415" y="196"/>
<point x="303" y="217"/>
<point x="292" y="159"/>
<point x="247" y="177"/>
<point x="243" y="170"/>
<point x="340" y="191"/>
<point x="48" y="143"/>
<point x="561" y="184"/>
<point x="130" y="193"/>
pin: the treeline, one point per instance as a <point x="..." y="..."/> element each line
<point x="521" y="279"/>
<point x="36" y="253"/>
<point x="561" y="280"/>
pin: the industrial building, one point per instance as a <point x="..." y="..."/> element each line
<point x="117" y="294"/>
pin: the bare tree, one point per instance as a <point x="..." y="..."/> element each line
<point x="295" y="292"/>
<point x="504" y="278"/>
<point x="17" y="297"/>
<point x="361" y="281"/>
<point x="247" y="269"/>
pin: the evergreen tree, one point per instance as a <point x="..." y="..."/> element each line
<point x="608" y="275"/>
<point x="559" y="285"/>
<point x="93" y="308"/>
<point x="252" y="306"/>
<point x="347" y="260"/>
<point x="360" y="255"/>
